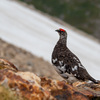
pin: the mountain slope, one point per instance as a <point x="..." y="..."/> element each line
<point x="84" y="14"/>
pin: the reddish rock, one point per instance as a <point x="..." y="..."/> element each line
<point x="32" y="87"/>
<point x="5" y="64"/>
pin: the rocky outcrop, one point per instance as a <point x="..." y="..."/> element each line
<point x="32" y="87"/>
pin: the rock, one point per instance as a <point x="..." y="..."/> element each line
<point x="5" y="64"/>
<point x="32" y="87"/>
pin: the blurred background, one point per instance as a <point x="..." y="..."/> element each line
<point x="27" y="33"/>
<point x="84" y="14"/>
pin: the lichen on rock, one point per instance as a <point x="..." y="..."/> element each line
<point x="32" y="87"/>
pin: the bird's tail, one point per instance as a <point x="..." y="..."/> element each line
<point x="92" y="79"/>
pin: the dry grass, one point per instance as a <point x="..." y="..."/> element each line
<point x="7" y="94"/>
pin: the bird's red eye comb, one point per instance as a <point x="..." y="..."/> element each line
<point x="62" y="30"/>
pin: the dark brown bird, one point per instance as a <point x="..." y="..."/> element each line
<point x="67" y="64"/>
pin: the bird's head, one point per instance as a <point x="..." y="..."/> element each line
<point x="62" y="33"/>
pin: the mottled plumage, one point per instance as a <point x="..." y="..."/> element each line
<point x="67" y="64"/>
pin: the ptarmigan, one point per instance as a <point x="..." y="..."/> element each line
<point x="67" y="64"/>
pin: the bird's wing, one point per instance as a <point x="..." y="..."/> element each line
<point x="70" y="62"/>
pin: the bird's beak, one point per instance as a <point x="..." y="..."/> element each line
<point x="57" y="30"/>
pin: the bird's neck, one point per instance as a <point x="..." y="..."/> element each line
<point x="63" y="41"/>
